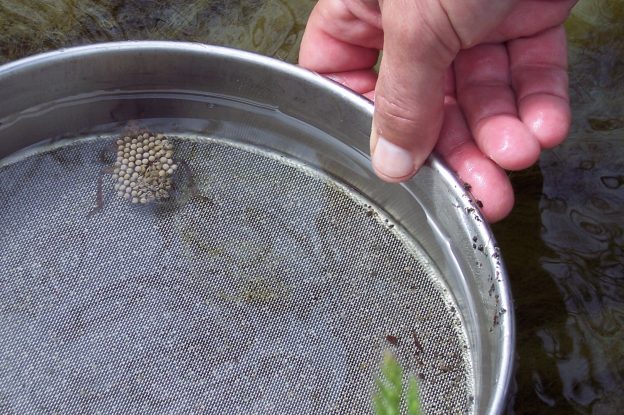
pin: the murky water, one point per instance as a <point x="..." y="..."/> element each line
<point x="563" y="242"/>
<point x="270" y="27"/>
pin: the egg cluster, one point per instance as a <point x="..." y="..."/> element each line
<point x="144" y="167"/>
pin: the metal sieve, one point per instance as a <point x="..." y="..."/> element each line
<point x="265" y="274"/>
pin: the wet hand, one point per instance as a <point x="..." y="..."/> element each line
<point x="482" y="82"/>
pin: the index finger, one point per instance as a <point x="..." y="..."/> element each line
<point x="342" y="39"/>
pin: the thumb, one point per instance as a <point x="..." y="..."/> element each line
<point x="419" y="46"/>
<point x="420" y="42"/>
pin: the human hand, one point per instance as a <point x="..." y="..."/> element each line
<point x="483" y="82"/>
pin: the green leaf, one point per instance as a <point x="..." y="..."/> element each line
<point x="380" y="406"/>
<point x="413" y="398"/>
<point x="387" y="401"/>
<point x="392" y="371"/>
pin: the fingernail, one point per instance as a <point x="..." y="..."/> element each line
<point x="392" y="160"/>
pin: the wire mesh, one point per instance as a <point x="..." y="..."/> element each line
<point x="259" y="287"/>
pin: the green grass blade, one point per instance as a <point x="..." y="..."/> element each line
<point x="392" y="371"/>
<point x="413" y="398"/>
<point x="387" y="401"/>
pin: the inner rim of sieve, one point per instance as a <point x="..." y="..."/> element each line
<point x="260" y="276"/>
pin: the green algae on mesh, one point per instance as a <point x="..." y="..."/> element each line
<point x="258" y="291"/>
<point x="248" y="254"/>
<point x="190" y="238"/>
<point x="261" y="290"/>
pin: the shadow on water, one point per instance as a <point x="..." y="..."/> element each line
<point x="563" y="247"/>
<point x="540" y="311"/>
<point x="563" y="243"/>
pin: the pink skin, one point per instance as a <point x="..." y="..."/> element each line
<point x="483" y="83"/>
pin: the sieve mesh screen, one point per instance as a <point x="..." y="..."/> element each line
<point x="260" y="287"/>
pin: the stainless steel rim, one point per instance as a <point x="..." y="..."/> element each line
<point x="497" y="403"/>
